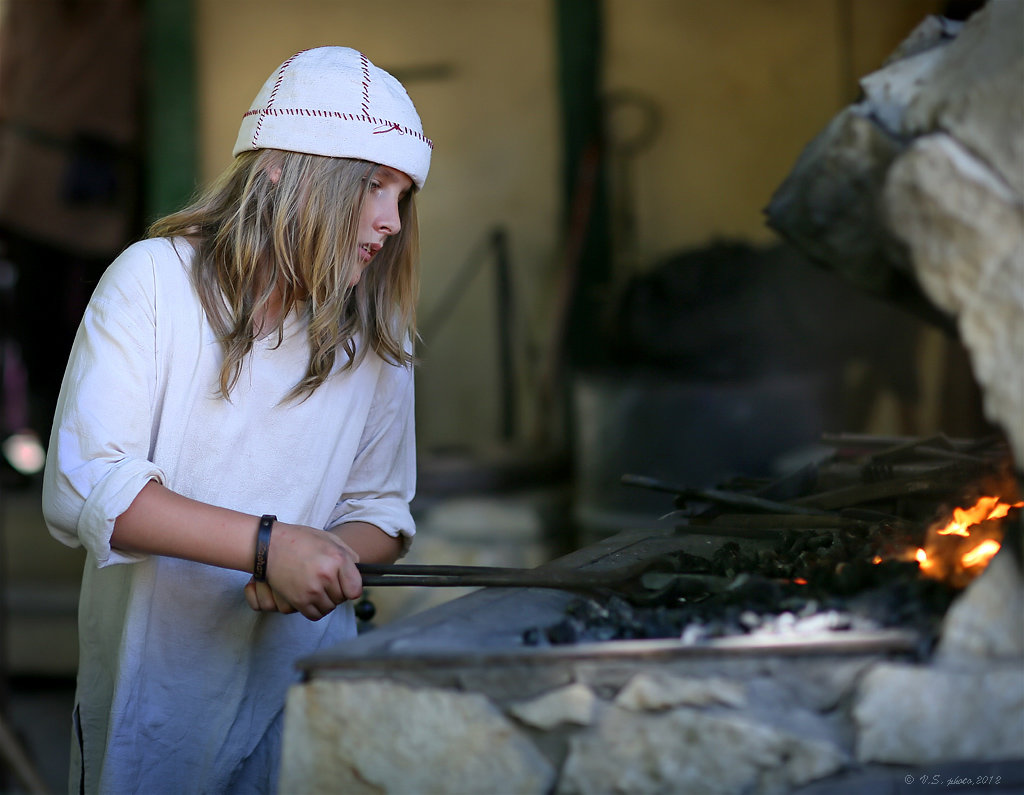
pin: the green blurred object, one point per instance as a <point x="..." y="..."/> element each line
<point x="170" y="107"/>
<point x="580" y="57"/>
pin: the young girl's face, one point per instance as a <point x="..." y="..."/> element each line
<point x="380" y="218"/>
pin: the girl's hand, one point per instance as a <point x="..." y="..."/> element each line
<point x="264" y="599"/>
<point x="308" y="570"/>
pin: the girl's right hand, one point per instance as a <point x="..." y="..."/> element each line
<point x="312" y="570"/>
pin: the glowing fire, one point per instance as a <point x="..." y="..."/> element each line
<point x="982" y="553"/>
<point x="960" y="562"/>
<point x="984" y="509"/>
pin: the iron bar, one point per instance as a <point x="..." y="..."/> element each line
<point x="721" y="497"/>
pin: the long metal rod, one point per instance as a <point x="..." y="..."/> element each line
<point x="441" y="569"/>
<point x="441" y="576"/>
<point x="721" y="497"/>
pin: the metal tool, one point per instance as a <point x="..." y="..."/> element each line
<point x="435" y="576"/>
<point x="720" y="497"/>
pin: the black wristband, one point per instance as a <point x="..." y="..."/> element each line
<point x="259" y="569"/>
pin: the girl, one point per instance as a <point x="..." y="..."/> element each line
<point x="235" y="432"/>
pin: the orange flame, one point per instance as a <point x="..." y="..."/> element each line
<point x="959" y="562"/>
<point x="984" y="509"/>
<point x="981" y="554"/>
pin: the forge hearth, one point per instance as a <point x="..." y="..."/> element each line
<point x="481" y="695"/>
<point x="865" y="539"/>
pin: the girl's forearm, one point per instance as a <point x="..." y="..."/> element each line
<point x="371" y="543"/>
<point x="162" y="522"/>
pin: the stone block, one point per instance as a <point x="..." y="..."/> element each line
<point x="907" y="714"/>
<point x="376" y="736"/>
<point x="974" y="92"/>
<point x="575" y="704"/>
<point x="657" y="691"/>
<point x="964" y="229"/>
<point x="829" y="205"/>
<point x="987" y="619"/>
<point x="687" y="750"/>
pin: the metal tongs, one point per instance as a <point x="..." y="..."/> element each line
<point x="441" y="576"/>
<point x="376" y="574"/>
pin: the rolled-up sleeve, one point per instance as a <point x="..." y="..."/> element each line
<point x="382" y="480"/>
<point x="98" y="459"/>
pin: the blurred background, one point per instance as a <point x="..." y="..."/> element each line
<point x="600" y="293"/>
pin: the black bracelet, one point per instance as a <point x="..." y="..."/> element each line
<point x="259" y="569"/>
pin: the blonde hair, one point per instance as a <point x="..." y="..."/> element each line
<point x="298" y="231"/>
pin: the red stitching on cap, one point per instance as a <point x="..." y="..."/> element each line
<point x="389" y="126"/>
<point x="366" y="83"/>
<point x="273" y="96"/>
<point x="333" y="114"/>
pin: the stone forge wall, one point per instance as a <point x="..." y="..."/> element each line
<point x="630" y="728"/>
<point x="925" y="175"/>
<point x="716" y="725"/>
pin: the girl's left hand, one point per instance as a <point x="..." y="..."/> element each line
<point x="264" y="599"/>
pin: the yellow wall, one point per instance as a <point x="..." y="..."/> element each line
<point x="740" y="87"/>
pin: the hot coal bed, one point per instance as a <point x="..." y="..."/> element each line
<point x="873" y="537"/>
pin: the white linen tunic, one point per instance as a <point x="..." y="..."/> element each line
<point x="181" y="685"/>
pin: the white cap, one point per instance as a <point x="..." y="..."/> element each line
<point x="332" y="101"/>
